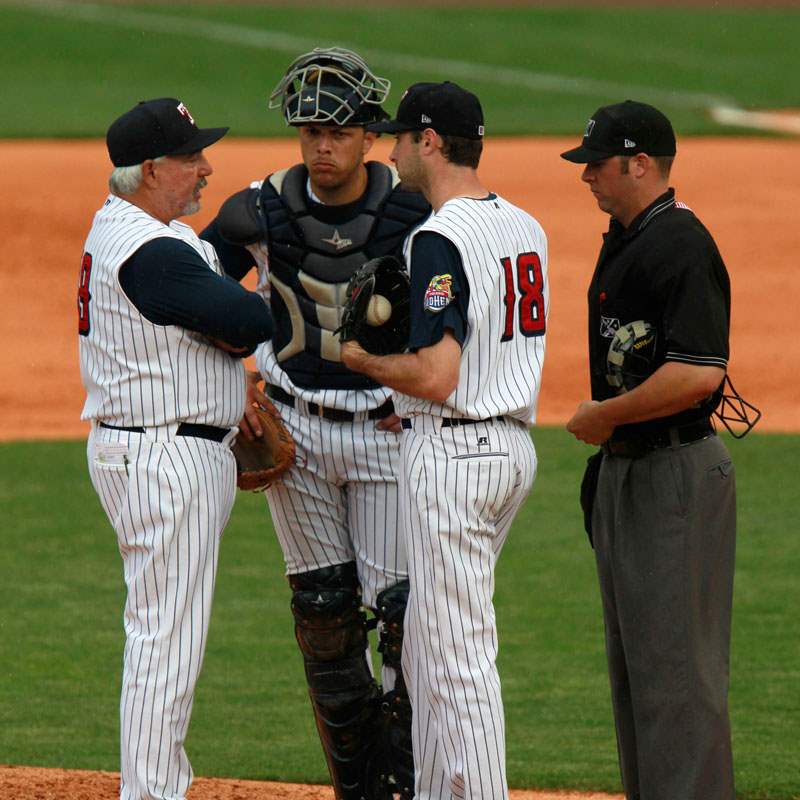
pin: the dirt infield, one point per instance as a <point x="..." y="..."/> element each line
<point x="744" y="189"/>
<point x="31" y="783"/>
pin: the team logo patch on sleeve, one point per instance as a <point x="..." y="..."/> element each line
<point x="439" y="293"/>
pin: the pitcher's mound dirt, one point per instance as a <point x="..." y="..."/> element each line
<point x="37" y="783"/>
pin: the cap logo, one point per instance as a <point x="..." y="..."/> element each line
<point x="185" y="112"/>
<point x="629" y="143"/>
<point x="425" y="119"/>
<point x="480" y="130"/>
<point x="589" y="128"/>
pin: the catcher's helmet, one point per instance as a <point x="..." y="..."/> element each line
<point x="330" y="86"/>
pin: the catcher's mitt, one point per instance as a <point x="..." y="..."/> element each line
<point x="261" y="462"/>
<point x="631" y="355"/>
<point x="376" y="309"/>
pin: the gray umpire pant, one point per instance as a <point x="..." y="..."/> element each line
<point x="664" y="530"/>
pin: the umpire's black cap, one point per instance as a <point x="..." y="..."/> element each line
<point x="153" y="128"/>
<point x="624" y="129"/>
<point x="445" y="107"/>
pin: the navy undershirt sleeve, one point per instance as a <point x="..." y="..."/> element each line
<point x="435" y="266"/>
<point x="170" y="284"/>
<point x="236" y="259"/>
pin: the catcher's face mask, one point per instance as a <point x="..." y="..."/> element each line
<point x="330" y="86"/>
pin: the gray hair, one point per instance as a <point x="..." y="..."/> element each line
<point x="126" y="180"/>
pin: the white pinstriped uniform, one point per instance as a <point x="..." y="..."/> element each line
<point x="460" y="488"/>
<point x="340" y="503"/>
<point x="168" y="497"/>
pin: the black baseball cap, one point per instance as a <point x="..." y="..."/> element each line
<point x="445" y="107"/>
<point x="624" y="129"/>
<point x="153" y="128"/>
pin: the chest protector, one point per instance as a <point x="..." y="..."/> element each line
<point x="311" y="261"/>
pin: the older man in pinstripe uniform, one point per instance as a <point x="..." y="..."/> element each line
<point x="160" y="333"/>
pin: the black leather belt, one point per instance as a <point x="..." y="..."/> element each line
<point x="676" y="436"/>
<point x="195" y="429"/>
<point x="332" y="414"/>
<point x="454" y="422"/>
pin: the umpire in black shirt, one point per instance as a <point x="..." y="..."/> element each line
<point x="663" y="520"/>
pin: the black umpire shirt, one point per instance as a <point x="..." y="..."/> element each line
<point x="665" y="269"/>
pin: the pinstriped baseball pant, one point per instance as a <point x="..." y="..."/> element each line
<point x="168" y="502"/>
<point x="460" y="489"/>
<point x="340" y="503"/>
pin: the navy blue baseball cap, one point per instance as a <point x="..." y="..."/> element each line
<point x="153" y="128"/>
<point x="624" y="129"/>
<point x="445" y="107"/>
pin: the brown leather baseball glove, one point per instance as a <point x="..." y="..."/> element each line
<point x="262" y="461"/>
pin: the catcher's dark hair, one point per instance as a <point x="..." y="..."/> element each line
<point x="663" y="163"/>
<point x="458" y="150"/>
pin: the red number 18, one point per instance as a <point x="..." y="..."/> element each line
<point x="530" y="284"/>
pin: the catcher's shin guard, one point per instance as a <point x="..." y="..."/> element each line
<point x="331" y="630"/>
<point x="391" y="773"/>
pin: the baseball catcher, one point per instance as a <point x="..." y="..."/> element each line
<point x="308" y="229"/>
<point x="376" y="307"/>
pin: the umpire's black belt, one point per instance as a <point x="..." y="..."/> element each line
<point x="195" y="429"/>
<point x="644" y="443"/>
<point x="331" y="414"/>
<point x="454" y="422"/>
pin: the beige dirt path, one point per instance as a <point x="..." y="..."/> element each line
<point x="744" y="189"/>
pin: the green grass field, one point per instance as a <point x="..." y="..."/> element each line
<point x="69" y="68"/>
<point x="61" y="596"/>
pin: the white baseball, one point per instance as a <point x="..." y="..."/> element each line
<point x="379" y="309"/>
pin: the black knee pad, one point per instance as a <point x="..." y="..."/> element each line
<point x="391" y="610"/>
<point x="329" y="621"/>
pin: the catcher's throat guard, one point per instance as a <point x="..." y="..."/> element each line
<point x="330" y="86"/>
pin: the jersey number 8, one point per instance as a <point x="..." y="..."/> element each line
<point x="529" y="286"/>
<point x="83" y="295"/>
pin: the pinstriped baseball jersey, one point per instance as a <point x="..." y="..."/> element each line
<point x="504" y="254"/>
<point x="356" y="400"/>
<point x="137" y="372"/>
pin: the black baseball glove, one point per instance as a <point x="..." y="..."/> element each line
<point x="377" y="306"/>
